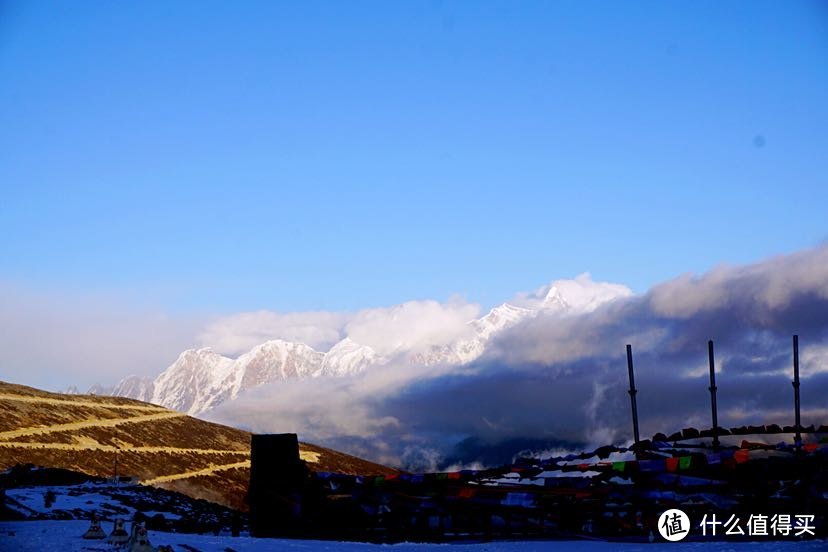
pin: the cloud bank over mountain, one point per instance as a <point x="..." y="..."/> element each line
<point x="237" y="333"/>
<point x="407" y="326"/>
<point x="426" y="383"/>
<point x="561" y="377"/>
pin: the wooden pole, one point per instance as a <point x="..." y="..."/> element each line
<point x="712" y="390"/>
<point x="632" y="393"/>
<point x="797" y="421"/>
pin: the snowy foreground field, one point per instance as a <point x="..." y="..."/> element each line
<point x="64" y="536"/>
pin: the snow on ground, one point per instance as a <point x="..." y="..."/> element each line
<point x="73" y="500"/>
<point x="64" y="536"/>
<point x="108" y="502"/>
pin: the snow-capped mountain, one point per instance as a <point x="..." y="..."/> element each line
<point x="271" y="361"/>
<point x="500" y="318"/>
<point x="577" y="296"/>
<point x="135" y="387"/>
<point x="347" y="358"/>
<point x="99" y="389"/>
<point x="187" y="384"/>
<point x="466" y="350"/>
<point x="201" y="379"/>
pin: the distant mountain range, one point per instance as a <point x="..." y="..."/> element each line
<point x="201" y="379"/>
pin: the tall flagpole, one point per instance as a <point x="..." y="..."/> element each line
<point x="632" y="393"/>
<point x="797" y="421"/>
<point x="713" y="389"/>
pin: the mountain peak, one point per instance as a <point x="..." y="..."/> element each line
<point x="347" y="357"/>
<point x="576" y="296"/>
<point x="197" y="353"/>
<point x="279" y="345"/>
<point x="554" y="299"/>
<point x="201" y="379"/>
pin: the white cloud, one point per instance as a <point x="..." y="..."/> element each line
<point x="238" y="333"/>
<point x="412" y="326"/>
<point x="581" y="294"/>
<point x="565" y="378"/>
<point x="407" y="327"/>
<point x="537" y="378"/>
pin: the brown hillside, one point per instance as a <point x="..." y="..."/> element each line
<point x="161" y="447"/>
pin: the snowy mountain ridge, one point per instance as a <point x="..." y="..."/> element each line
<point x="201" y="379"/>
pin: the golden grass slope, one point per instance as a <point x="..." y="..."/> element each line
<point x="106" y="435"/>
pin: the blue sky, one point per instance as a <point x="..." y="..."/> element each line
<point x="217" y="157"/>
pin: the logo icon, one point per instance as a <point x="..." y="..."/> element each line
<point x="674" y="525"/>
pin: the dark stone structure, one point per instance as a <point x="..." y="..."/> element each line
<point x="277" y="485"/>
